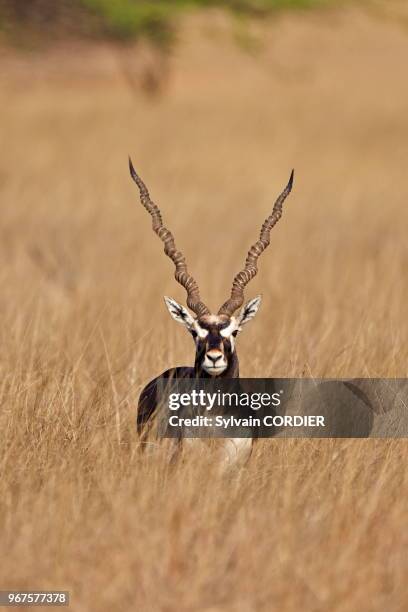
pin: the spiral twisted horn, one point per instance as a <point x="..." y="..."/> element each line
<point x="181" y="274"/>
<point x="244" y="276"/>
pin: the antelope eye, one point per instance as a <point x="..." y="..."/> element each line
<point x="235" y="333"/>
<point x="194" y="333"/>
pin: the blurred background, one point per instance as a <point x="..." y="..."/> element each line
<point x="216" y="102"/>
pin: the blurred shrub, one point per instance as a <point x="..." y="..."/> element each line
<point x="120" y="19"/>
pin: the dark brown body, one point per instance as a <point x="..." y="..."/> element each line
<point x="149" y="399"/>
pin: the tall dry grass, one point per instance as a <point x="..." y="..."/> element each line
<point x="307" y="525"/>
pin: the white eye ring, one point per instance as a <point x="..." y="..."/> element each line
<point x="201" y="333"/>
<point x="229" y="331"/>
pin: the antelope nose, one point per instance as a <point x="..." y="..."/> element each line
<point x="214" y="357"/>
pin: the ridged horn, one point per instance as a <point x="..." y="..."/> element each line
<point x="250" y="270"/>
<point x="181" y="274"/>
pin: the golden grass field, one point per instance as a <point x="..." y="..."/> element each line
<point x="306" y="525"/>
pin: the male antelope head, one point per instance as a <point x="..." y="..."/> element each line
<point x="214" y="334"/>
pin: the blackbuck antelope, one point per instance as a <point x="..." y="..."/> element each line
<point x="214" y="335"/>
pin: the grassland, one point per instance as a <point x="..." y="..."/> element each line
<point x="307" y="525"/>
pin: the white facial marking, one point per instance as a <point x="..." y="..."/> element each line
<point x="217" y="368"/>
<point x="201" y="332"/>
<point x="233" y="326"/>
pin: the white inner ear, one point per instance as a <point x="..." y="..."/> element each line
<point x="249" y="310"/>
<point x="179" y="313"/>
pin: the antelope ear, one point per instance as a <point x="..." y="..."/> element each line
<point x="179" y="313"/>
<point x="249" y="310"/>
